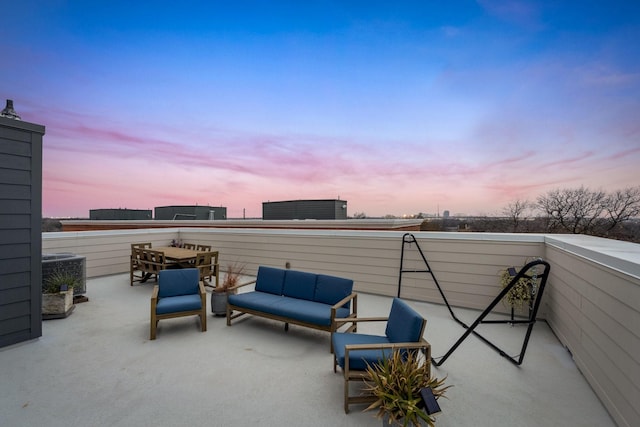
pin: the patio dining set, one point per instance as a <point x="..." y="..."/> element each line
<point x="147" y="262"/>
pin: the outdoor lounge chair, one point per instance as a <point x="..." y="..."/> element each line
<point x="353" y="351"/>
<point x="178" y="293"/>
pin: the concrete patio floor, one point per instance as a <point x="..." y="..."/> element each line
<point x="99" y="368"/>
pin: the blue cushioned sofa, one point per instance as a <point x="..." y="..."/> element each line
<point x="307" y="299"/>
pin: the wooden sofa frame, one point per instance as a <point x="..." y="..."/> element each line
<point x="335" y="322"/>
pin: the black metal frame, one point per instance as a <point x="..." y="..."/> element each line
<point x="529" y="271"/>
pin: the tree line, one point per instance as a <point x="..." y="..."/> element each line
<point x="614" y="215"/>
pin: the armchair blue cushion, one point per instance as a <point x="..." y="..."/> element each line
<point x="405" y="324"/>
<point x="178" y="303"/>
<point x="358" y="359"/>
<point x="178" y="293"/>
<point x="353" y="351"/>
<point x="178" y="282"/>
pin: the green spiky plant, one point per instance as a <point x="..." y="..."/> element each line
<point x="56" y="280"/>
<point x="396" y="383"/>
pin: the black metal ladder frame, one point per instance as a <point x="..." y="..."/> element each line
<point x="409" y="238"/>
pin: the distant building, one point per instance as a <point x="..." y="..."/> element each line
<point x="113" y="214"/>
<point x="305" y="209"/>
<point x="190" y="212"/>
<point x="445" y="214"/>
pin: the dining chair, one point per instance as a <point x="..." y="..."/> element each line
<point x="207" y="264"/>
<point x="135" y="272"/>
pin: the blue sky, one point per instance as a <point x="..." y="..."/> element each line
<point x="396" y="107"/>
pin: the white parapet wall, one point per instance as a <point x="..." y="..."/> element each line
<point x="594" y="309"/>
<point x="592" y="301"/>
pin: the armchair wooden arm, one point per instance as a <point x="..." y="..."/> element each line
<point x="361" y="319"/>
<point x="154" y="297"/>
<point x="422" y="345"/>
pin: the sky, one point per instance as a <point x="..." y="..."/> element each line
<point x="397" y="107"/>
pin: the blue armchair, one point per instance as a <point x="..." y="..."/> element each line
<point x="353" y="351"/>
<point x="178" y="293"/>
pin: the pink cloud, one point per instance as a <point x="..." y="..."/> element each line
<point x="99" y="164"/>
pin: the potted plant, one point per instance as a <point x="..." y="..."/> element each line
<point x="228" y="286"/>
<point x="522" y="293"/>
<point x="57" y="295"/>
<point x="397" y="382"/>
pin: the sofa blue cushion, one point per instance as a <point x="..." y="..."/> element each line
<point x="270" y="280"/>
<point x="178" y="303"/>
<point x="330" y="289"/>
<point x="358" y="359"/>
<point x="299" y="284"/>
<point x="178" y="282"/>
<point x="308" y="311"/>
<point x="259" y="301"/>
<point x="292" y="308"/>
<point x="404" y="324"/>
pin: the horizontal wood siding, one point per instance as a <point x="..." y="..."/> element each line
<point x="20" y="230"/>
<point x="467" y="269"/>
<point x="595" y="312"/>
<point x="106" y="252"/>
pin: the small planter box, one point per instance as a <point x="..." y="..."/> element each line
<point x="57" y="306"/>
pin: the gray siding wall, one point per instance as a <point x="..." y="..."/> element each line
<point x="20" y="231"/>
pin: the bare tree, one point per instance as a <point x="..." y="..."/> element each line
<point x="573" y="210"/>
<point x="554" y="208"/>
<point x="515" y="211"/>
<point x="621" y="206"/>
<point x="614" y="215"/>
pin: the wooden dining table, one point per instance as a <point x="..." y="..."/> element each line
<point x="181" y="256"/>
